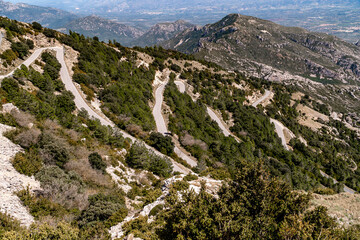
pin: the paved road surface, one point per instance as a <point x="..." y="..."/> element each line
<point x="157" y="112"/>
<point x="266" y="95"/>
<point x="160" y="122"/>
<point x="279" y="128"/>
<point x="214" y="117"/>
<point x="181" y="86"/>
<point x="211" y="113"/>
<point x="346" y="188"/>
<point x="30" y="60"/>
<point x="80" y="102"/>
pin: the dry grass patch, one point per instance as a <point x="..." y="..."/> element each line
<point x="345" y="207"/>
<point x="87" y="173"/>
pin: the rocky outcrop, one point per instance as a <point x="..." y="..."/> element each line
<point x="11" y="181"/>
<point x="212" y="186"/>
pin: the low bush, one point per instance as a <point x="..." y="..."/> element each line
<point x="108" y="208"/>
<point x="63" y="188"/>
<point x="96" y="162"/>
<point x="40" y="206"/>
<point x="140" y="157"/>
<point x="28" y="164"/>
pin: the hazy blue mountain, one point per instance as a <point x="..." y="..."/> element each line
<point x="104" y="29"/>
<point x="161" y="32"/>
<point x="48" y="17"/>
<point x="339" y="18"/>
<point x="86" y="6"/>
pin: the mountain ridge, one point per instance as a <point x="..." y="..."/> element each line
<point x="161" y="32"/>
<point x="104" y="29"/>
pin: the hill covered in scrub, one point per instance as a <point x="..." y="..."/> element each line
<point x="84" y="122"/>
<point x="321" y="64"/>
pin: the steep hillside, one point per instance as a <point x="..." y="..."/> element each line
<point x="104" y="29"/>
<point x="316" y="63"/>
<point x="161" y="32"/>
<point x="144" y="142"/>
<point x="48" y="17"/>
<point x="246" y="43"/>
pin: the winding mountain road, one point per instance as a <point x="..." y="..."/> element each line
<point x="279" y="127"/>
<point x="212" y="114"/>
<point x="346" y="188"/>
<point x="160" y="121"/>
<point x="265" y="96"/>
<point x="80" y="102"/>
<point x="214" y="117"/>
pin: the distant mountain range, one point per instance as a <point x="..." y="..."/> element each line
<point x="142" y="17"/>
<point x="144" y="6"/>
<point x="48" y="17"/>
<point x="105" y="29"/>
<point x="92" y="25"/>
<point x="161" y="32"/>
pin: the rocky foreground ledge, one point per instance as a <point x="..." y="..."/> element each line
<point x="12" y="181"/>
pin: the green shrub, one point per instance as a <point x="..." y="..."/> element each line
<point x="190" y="177"/>
<point x="108" y="208"/>
<point x="7" y="223"/>
<point x="49" y="33"/>
<point x="53" y="151"/>
<point x="325" y="191"/>
<point x="155" y="210"/>
<point x="40" y="206"/>
<point x="181" y="185"/>
<point x="140" y="157"/>
<point x="37" y="26"/>
<point x="28" y="164"/>
<point x="162" y="143"/>
<point x="9" y="56"/>
<point x="63" y="188"/>
<point x="96" y="161"/>
<point x="175" y="68"/>
<point x="22" y="49"/>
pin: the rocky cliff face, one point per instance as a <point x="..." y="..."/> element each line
<point x="161" y="32"/>
<point x="11" y="181"/>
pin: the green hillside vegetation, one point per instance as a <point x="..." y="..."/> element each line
<point x="124" y="89"/>
<point x="68" y="153"/>
<point x="252" y="206"/>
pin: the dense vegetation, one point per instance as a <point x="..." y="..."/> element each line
<point x="69" y="153"/>
<point x="124" y="88"/>
<point x="252" y="206"/>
